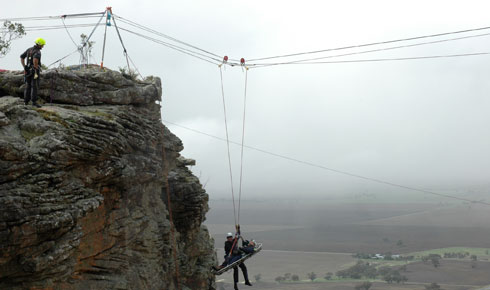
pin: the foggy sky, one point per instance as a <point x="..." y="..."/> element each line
<point x="421" y="123"/>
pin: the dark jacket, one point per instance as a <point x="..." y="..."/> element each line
<point x="31" y="54"/>
<point x="228" y="245"/>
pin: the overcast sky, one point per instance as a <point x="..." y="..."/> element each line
<point x="421" y="123"/>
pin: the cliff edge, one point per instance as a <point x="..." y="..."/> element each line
<point x="83" y="202"/>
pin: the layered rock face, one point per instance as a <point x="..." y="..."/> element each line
<point x="83" y="197"/>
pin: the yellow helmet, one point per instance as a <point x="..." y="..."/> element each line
<point x="40" y="41"/>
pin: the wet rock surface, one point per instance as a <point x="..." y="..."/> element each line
<point x="83" y="200"/>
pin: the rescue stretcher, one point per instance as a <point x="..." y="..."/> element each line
<point x="257" y="249"/>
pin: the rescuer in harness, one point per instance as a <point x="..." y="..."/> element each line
<point x="232" y="254"/>
<point x="32" y="71"/>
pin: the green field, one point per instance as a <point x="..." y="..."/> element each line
<point x="481" y="253"/>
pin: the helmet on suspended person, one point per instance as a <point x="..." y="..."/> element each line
<point x="40" y="41"/>
<point x="229" y="235"/>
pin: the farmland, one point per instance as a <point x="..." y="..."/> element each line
<point x="300" y="238"/>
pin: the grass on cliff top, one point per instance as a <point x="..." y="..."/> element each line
<point x="52" y="116"/>
<point x="98" y="113"/>
<point x="29" y="135"/>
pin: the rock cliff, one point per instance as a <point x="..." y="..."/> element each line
<point x="83" y="197"/>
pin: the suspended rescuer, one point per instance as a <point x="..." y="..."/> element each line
<point x="232" y="254"/>
<point x="32" y="71"/>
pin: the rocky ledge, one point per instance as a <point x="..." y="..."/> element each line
<point x="83" y="197"/>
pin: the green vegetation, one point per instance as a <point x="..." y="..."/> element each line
<point x="461" y="252"/>
<point x="9" y="32"/>
<point x="52" y="116"/>
<point x="370" y="271"/>
<point x="28" y="135"/>
<point x="128" y="73"/>
<point x="98" y="113"/>
<point x="311" y="276"/>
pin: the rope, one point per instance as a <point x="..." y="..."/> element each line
<point x="83" y="45"/>
<point x="68" y="32"/>
<point x="54" y="27"/>
<point x="243" y="142"/>
<point x="79" y="15"/>
<point x="381" y="59"/>
<point x="376" y="50"/>
<point x="175" y="47"/>
<point x="93" y="30"/>
<point x="105" y="37"/>
<point x="172" y="225"/>
<point x="63" y="58"/>
<point x="373" y="43"/>
<point x="137" y="70"/>
<point x="51" y="90"/>
<point x="120" y="39"/>
<point x="165" y="36"/>
<point x="332" y="169"/>
<point x="228" y="144"/>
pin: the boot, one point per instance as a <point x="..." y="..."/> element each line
<point x="36" y="105"/>
<point x="236" y="286"/>
<point x="248" y="283"/>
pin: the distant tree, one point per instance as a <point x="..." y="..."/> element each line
<point x="433" y="286"/>
<point x="435" y="261"/>
<point x="474" y="257"/>
<point x="258" y="277"/>
<point x="384" y="270"/>
<point x="8" y="32"/>
<point x="394" y="276"/>
<point x="363" y="286"/>
<point x="486" y="252"/>
<point x="388" y="256"/>
<point x="86" y="47"/>
<point x="311" y="276"/>
<point x="295" y="277"/>
<point x="279" y="279"/>
<point x="399" y="243"/>
<point x="328" y="276"/>
<point x="287" y="276"/>
<point x="403" y="268"/>
<point x="386" y="240"/>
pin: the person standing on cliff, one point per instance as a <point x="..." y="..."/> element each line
<point x="32" y="71"/>
<point x="231" y="250"/>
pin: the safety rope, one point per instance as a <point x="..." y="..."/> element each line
<point x="243" y="142"/>
<point x="227" y="143"/>
<point x="51" y="89"/>
<point x="136" y="68"/>
<point x="68" y="32"/>
<point x="83" y="45"/>
<point x="172" y="225"/>
<point x="122" y="43"/>
<point x="105" y="37"/>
